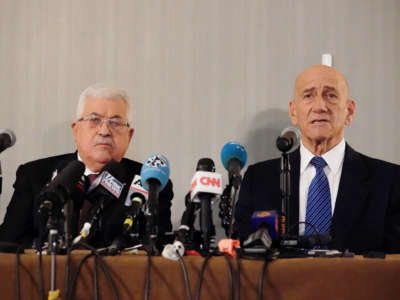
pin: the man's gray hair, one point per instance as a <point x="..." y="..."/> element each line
<point x="101" y="90"/>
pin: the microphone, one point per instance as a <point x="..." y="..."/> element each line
<point x="135" y="199"/>
<point x="106" y="188"/>
<point x="154" y="174"/>
<point x="265" y="226"/>
<point x="205" y="185"/>
<point x="234" y="157"/>
<point x="289" y="139"/>
<point x="7" y="139"/>
<point x="64" y="184"/>
<point x="188" y="216"/>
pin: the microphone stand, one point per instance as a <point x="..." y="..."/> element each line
<point x="286" y="194"/>
<point x="53" y="223"/>
<point x="151" y="213"/>
<point x="225" y="209"/>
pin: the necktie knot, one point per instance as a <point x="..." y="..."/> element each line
<point x="92" y="177"/>
<point x="318" y="162"/>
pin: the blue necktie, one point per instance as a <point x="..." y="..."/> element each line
<point x="319" y="209"/>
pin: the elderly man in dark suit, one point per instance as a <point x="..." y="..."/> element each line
<point x="335" y="190"/>
<point x="102" y="133"/>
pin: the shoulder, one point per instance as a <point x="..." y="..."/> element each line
<point x="49" y="162"/>
<point x="355" y="155"/>
<point x="371" y="164"/>
<point x="132" y="165"/>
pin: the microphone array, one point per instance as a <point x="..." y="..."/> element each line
<point x="66" y="194"/>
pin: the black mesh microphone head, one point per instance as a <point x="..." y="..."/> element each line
<point x="205" y="164"/>
<point x="117" y="170"/>
<point x="64" y="185"/>
<point x="68" y="177"/>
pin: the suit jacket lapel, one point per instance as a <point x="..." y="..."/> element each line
<point x="353" y="190"/>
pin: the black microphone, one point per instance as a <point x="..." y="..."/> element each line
<point x="205" y="185"/>
<point x="104" y="190"/>
<point x="135" y="199"/>
<point x="55" y="204"/>
<point x="7" y="139"/>
<point x="64" y="184"/>
<point x="289" y="139"/>
<point x="108" y="185"/>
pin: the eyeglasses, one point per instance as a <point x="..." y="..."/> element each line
<point x="96" y="121"/>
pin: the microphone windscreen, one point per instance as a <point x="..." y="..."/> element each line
<point x="68" y="177"/>
<point x="116" y="169"/>
<point x="205" y="164"/>
<point x="156" y="166"/>
<point x="11" y="135"/>
<point x="233" y="150"/>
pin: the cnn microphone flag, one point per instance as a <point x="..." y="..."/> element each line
<point x="206" y="182"/>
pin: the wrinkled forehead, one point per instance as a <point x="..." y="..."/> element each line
<point x="321" y="77"/>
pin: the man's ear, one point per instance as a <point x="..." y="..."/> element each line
<point x="74" y="129"/>
<point x="351" y="110"/>
<point x="131" y="132"/>
<point x="293" y="112"/>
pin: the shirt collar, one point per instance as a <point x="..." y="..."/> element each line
<point x="334" y="157"/>
<point x="87" y="170"/>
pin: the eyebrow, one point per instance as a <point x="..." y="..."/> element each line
<point x="308" y="90"/>
<point x="112" y="117"/>
<point x="330" y="88"/>
<point x="325" y="88"/>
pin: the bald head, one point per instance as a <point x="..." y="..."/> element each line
<point x="321" y="107"/>
<point x="318" y="73"/>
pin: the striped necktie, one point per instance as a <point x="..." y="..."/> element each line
<point x="319" y="209"/>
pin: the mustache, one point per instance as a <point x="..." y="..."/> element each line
<point x="103" y="140"/>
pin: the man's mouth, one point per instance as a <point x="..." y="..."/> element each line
<point x="319" y="121"/>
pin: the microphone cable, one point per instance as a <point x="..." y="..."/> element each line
<point x="96" y="279"/>
<point x="19" y="266"/>
<point x="41" y="280"/>
<point x="261" y="278"/>
<point x="147" y="281"/>
<point x="185" y="275"/>
<point x="107" y="274"/>
<point x="203" y="267"/>
<point x="71" y="289"/>
<point x="238" y="267"/>
<point x="17" y="279"/>
<point x="230" y="277"/>
<point x="98" y="260"/>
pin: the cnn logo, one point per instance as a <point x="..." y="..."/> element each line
<point x="210" y="181"/>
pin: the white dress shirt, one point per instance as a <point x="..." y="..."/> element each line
<point x="87" y="170"/>
<point x="333" y="170"/>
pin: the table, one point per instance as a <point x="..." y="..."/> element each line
<point x="296" y="278"/>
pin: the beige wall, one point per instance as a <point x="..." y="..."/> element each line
<point x="201" y="73"/>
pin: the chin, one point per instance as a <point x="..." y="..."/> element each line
<point x="103" y="157"/>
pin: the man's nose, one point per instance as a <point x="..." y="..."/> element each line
<point x="103" y="129"/>
<point x="319" y="104"/>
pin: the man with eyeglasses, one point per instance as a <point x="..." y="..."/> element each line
<point x="102" y="133"/>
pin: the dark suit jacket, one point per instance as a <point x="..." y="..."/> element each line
<point x="21" y="223"/>
<point x="367" y="210"/>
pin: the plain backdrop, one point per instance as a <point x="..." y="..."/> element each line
<point x="200" y="73"/>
